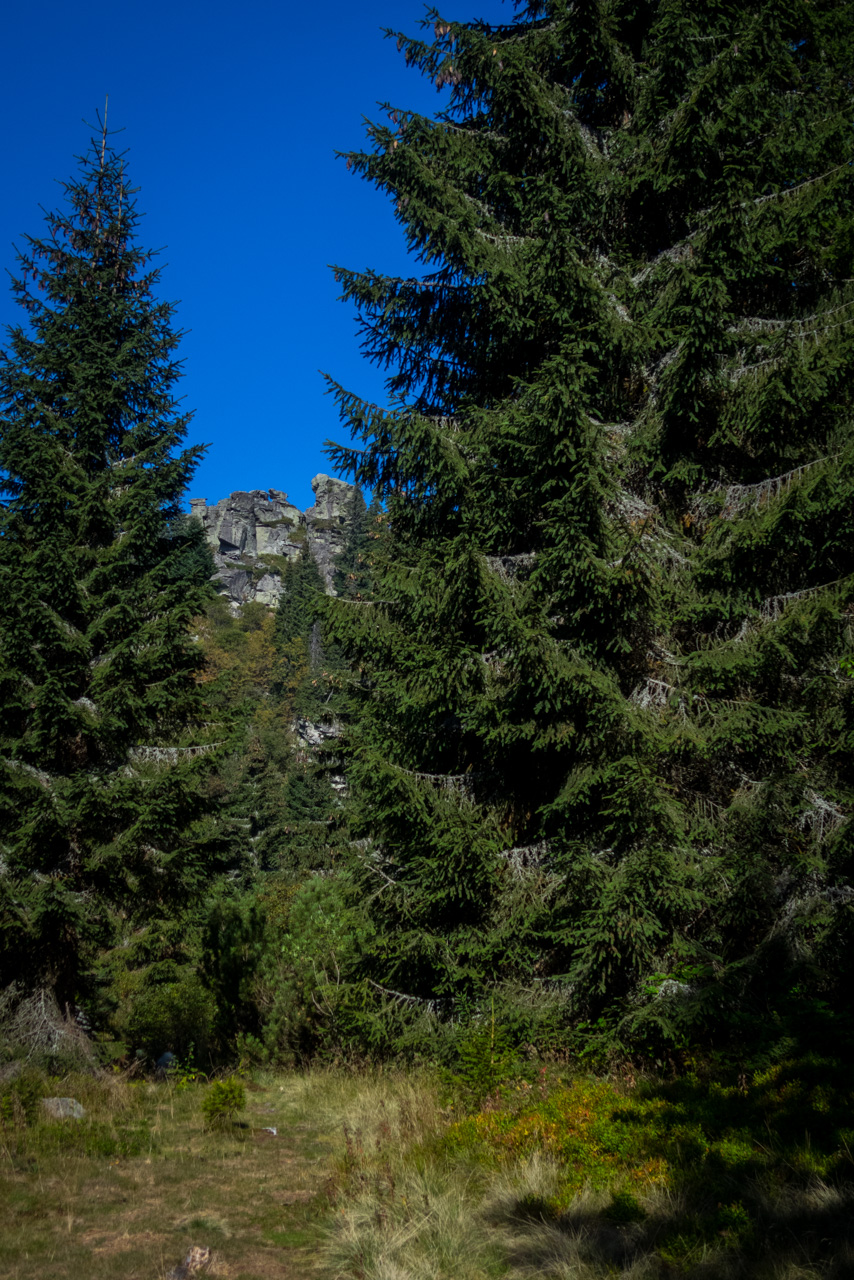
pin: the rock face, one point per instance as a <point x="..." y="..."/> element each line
<point x="328" y="522"/>
<point x="253" y="535"/>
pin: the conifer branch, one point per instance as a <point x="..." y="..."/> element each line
<point x="761" y="324"/>
<point x="505" y="239"/>
<point x="526" y="858"/>
<point x="785" y="192"/>
<point x="458" y="783"/>
<point x="507" y="567"/>
<point x="516" y="36"/>
<point x="738" y="497"/>
<point x="433" y="1007"/>
<point x="170" y="755"/>
<point x="775" y="606"/>
<point x="735" y="374"/>
<point x="658" y="694"/>
<point x="822" y="818"/>
<point x="44" y="779"/>
<point x="675" y="254"/>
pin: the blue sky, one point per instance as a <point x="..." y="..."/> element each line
<point x="231" y="114"/>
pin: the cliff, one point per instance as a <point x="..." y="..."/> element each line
<point x="253" y="535"/>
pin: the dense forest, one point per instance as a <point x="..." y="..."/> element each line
<point x="511" y="835"/>
<point x="581" y="699"/>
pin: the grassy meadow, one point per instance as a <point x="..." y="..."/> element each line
<point x="128" y="1190"/>
<point x="394" y="1175"/>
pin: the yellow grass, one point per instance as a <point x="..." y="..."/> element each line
<point x="72" y="1207"/>
<point x="368" y="1179"/>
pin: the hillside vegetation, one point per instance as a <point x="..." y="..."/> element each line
<point x="512" y="877"/>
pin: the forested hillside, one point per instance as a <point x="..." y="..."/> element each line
<point x="558" y="729"/>
<point x="490" y="822"/>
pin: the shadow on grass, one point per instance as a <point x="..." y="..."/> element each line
<point x="759" y="1186"/>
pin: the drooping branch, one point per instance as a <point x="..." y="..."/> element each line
<point x="170" y="755"/>
<point x="738" y="498"/>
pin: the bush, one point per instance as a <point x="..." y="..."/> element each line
<point x="20" y="1095"/>
<point x="222" y="1102"/>
<point x="484" y="1060"/>
<point x="310" y="1002"/>
<point x="175" y="1015"/>
<point x="234" y="945"/>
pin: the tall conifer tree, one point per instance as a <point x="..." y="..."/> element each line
<point x="100" y="574"/>
<point x="605" y="755"/>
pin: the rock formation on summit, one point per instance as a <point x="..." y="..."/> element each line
<point x="253" y="535"/>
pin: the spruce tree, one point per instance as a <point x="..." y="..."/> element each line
<point x="353" y="576"/>
<point x="604" y="752"/>
<point x="298" y="638"/>
<point x="101" y="819"/>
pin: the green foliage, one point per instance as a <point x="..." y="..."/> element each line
<point x="111" y="1127"/>
<point x="599" y="738"/>
<point x="103" y="815"/>
<point x="167" y="1008"/>
<point x="281" y="814"/>
<point x="239" y="655"/>
<point x="223" y="1100"/>
<point x="300" y="601"/>
<point x="581" y="1123"/>
<point x="700" y="1164"/>
<point x="484" y="1059"/>
<point x="354" y="566"/>
<point x="234" y="944"/>
<point x="624" y="1208"/>
<point x="310" y="993"/>
<point x="20" y="1097"/>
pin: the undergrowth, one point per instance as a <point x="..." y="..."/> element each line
<point x="578" y="1178"/>
<point x="560" y="1176"/>
<point x="222" y="1102"/>
<point x="115" y="1121"/>
<point x="141" y="1178"/>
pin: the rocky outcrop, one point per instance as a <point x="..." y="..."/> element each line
<point x="253" y="535"/>
<point x="328" y="522"/>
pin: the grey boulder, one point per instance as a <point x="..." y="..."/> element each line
<point x="63" y="1108"/>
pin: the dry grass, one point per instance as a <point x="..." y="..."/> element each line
<point x="361" y="1183"/>
<point x="400" y="1212"/>
<point x="413" y="1206"/>
<point x="434" y="1221"/>
<point x="367" y="1102"/>
<point x="128" y="1190"/>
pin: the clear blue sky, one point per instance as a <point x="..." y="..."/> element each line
<point x="231" y="114"/>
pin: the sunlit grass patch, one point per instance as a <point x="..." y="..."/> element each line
<point x="580" y="1124"/>
<point x="130" y="1187"/>
<point x="577" y="1178"/>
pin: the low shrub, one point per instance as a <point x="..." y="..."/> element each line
<point x="483" y="1059"/>
<point x="173" y="1011"/>
<point x="222" y="1102"/>
<point x="580" y="1124"/>
<point x="20" y="1094"/>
